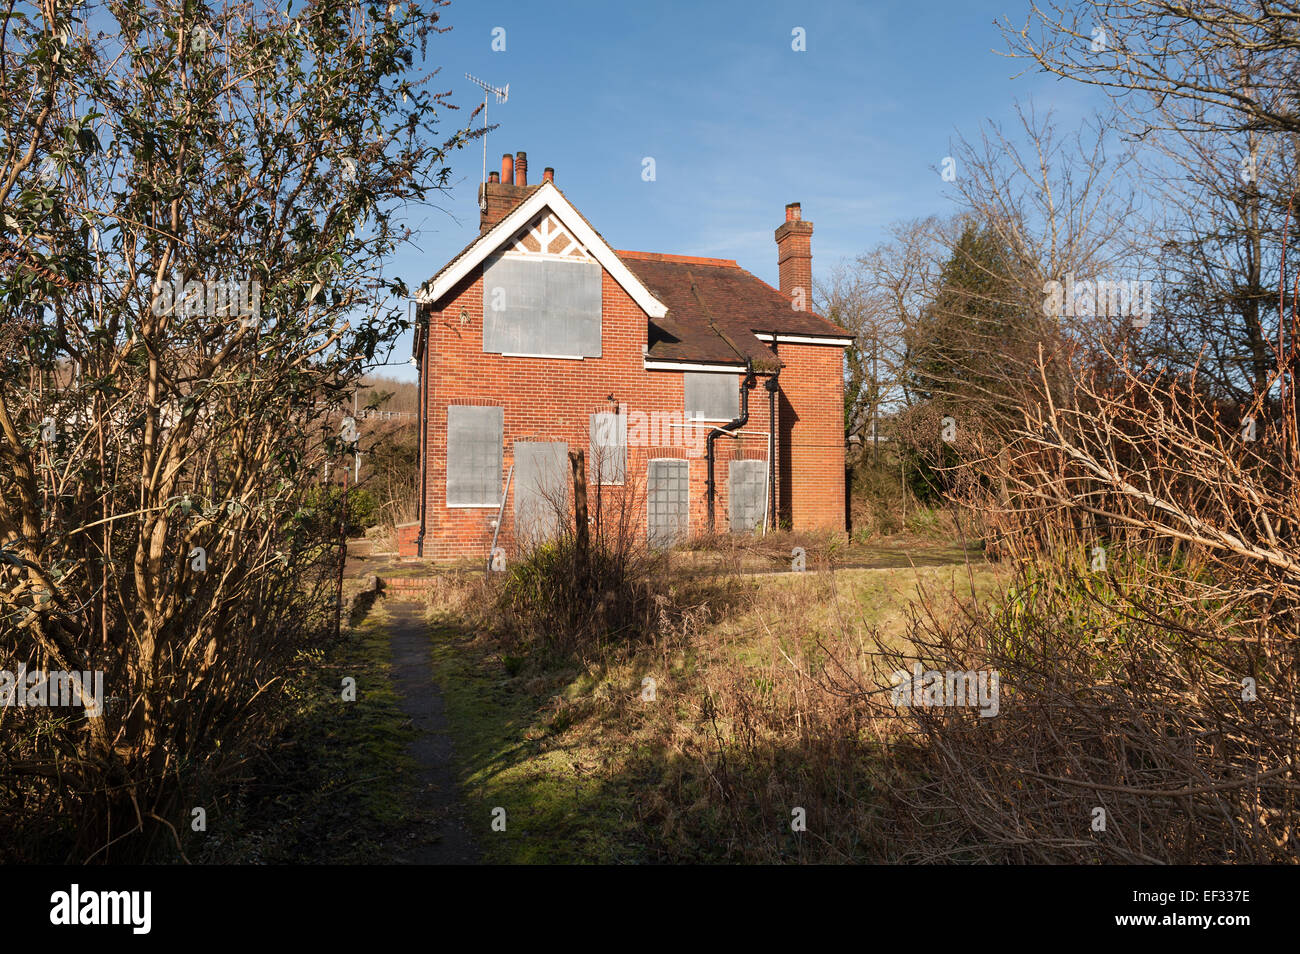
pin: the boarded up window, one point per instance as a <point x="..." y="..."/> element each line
<point x="712" y="397"/>
<point x="746" y="494"/>
<point x="608" y="447"/>
<point x="541" y="307"/>
<point x="474" y="437"/>
<point x="668" y="501"/>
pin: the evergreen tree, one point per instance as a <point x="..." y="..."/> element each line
<point x="969" y="344"/>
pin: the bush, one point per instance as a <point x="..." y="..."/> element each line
<point x="877" y="499"/>
<point x="1147" y="653"/>
<point x="1112" y="696"/>
<point x="322" y="509"/>
<point x="554" y="597"/>
<point x="596" y="582"/>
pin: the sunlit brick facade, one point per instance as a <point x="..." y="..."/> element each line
<point x="671" y="330"/>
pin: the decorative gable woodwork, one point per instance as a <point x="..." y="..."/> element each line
<point x="546" y="235"/>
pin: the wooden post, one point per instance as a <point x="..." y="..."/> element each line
<point x="582" y="537"/>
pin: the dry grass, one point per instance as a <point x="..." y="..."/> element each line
<point x="706" y="761"/>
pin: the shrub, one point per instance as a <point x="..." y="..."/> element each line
<point x="596" y="581"/>
<point x="322" y="509"/>
<point x="1147" y="653"/>
<point x="552" y="598"/>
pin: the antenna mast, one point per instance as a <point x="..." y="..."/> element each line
<point x="502" y="94"/>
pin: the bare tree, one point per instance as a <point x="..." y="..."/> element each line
<point x="1221" y="205"/>
<point x="877" y="297"/>
<point x="1168" y="49"/>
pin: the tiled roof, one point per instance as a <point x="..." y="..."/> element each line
<point x="715" y="308"/>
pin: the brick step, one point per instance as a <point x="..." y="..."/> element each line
<point x="408" y="584"/>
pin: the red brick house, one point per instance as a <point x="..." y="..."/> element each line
<point x="703" y="397"/>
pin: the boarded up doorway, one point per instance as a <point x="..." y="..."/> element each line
<point x="541" y="490"/>
<point x="746" y="495"/>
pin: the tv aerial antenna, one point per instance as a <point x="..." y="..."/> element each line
<point x="502" y="94"/>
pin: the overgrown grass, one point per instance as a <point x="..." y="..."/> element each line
<point x="512" y="737"/>
<point x="694" y="745"/>
<point x="726" y="553"/>
<point x="566" y="598"/>
<point x="337" y="786"/>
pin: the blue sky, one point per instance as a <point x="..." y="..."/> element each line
<point x="738" y="123"/>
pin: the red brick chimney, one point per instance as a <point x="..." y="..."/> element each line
<point x="794" y="257"/>
<point x="497" y="198"/>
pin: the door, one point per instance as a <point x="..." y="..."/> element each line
<point x="746" y="494"/>
<point x="668" y="501"/>
<point x="541" y="491"/>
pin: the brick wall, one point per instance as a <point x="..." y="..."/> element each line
<point x="406" y="537"/>
<point x="811" y="467"/>
<point x="551" y="399"/>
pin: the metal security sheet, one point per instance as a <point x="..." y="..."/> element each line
<point x="607" y="447"/>
<point x="541" y="490"/>
<point x="541" y="306"/>
<point x="474" y="437"/>
<point x="746" y="494"/>
<point x="712" y="396"/>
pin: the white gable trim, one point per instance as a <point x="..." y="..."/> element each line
<point x="548" y="196"/>
<point x="692" y="366"/>
<point x="805" y="339"/>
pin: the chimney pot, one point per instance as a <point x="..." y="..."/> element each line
<point x="521" y="169"/>
<point x="792" y="212"/>
<point x="507" y="169"/>
<point x="493" y="176"/>
<point x="548" y="174"/>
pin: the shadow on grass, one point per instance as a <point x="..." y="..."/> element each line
<point x="336" y="786"/>
<point x="578" y="780"/>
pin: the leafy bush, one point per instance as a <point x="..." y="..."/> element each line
<point x="159" y="439"/>
<point x="322" y="509"/>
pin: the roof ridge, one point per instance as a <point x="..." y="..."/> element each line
<point x="547" y="195"/>
<point x="677" y="259"/>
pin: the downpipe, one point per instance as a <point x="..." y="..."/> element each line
<point x="728" y="429"/>
<point x="773" y="385"/>
<point x="424" y="433"/>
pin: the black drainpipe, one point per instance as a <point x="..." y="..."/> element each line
<point x="424" y="432"/>
<point x="727" y="428"/>
<point x="773" y="385"/>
